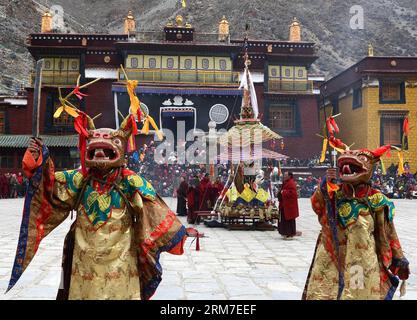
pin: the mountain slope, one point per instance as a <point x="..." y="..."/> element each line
<point x="389" y="25"/>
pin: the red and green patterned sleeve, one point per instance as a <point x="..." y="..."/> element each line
<point x="49" y="199"/>
<point x="157" y="230"/>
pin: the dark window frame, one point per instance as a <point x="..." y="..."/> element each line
<point x="296" y="132"/>
<point x="170" y="63"/>
<point x="400" y="122"/>
<point x="401" y="100"/>
<point x="7" y="161"/>
<point x="335" y="106"/>
<point x="153" y="64"/>
<point x="205" y="64"/>
<point x="188" y="64"/>
<point x="357" y="98"/>
<point x="222" y="64"/>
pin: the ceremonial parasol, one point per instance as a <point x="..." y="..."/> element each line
<point x="248" y="130"/>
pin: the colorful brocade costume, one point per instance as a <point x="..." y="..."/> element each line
<point x="112" y="250"/>
<point x="358" y="254"/>
<point x="248" y="196"/>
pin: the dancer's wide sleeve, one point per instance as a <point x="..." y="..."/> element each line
<point x="157" y="229"/>
<point x="49" y="199"/>
<point x="387" y="241"/>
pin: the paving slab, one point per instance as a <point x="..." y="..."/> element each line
<point x="230" y="265"/>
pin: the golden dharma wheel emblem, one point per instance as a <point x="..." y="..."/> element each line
<point x="107" y="59"/>
<point x="393" y="63"/>
<point x="179" y="36"/>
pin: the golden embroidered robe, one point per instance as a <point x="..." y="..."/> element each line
<point x="112" y="250"/>
<point x="358" y="254"/>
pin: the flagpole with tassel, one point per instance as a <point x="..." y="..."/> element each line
<point x="137" y="109"/>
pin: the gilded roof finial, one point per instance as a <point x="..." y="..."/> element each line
<point x="370" y="50"/>
<point x="223" y="29"/>
<point x="129" y="23"/>
<point x="295" y="30"/>
<point x="46" y="24"/>
<point x="179" y="20"/>
<point x="246" y="111"/>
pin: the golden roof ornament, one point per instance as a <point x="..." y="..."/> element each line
<point x="46" y="25"/>
<point x="370" y="50"/>
<point x="47" y="13"/>
<point x="130" y="15"/>
<point x="188" y="25"/>
<point x="179" y="20"/>
<point x="130" y="23"/>
<point x="295" y="31"/>
<point x="223" y="29"/>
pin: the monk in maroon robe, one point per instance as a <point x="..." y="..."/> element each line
<point x="205" y="189"/>
<point x="288" y="207"/>
<point x="216" y="190"/>
<point x="193" y="200"/>
<point x="182" y="197"/>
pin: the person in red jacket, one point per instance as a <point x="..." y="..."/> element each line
<point x="288" y="207"/>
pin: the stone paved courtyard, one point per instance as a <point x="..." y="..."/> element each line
<point x="230" y="265"/>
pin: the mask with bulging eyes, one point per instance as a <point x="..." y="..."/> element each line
<point x="105" y="148"/>
<point x="356" y="166"/>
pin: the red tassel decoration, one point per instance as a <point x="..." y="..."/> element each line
<point x="78" y="93"/>
<point x="80" y="125"/>
<point x="332" y="127"/>
<point x="197" y="244"/>
<point x="406" y="127"/>
<point x="131" y="146"/>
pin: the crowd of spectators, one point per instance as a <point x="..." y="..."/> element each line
<point x="12" y="185"/>
<point x="394" y="186"/>
<point x="165" y="177"/>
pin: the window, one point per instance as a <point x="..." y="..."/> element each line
<point x="152" y="63"/>
<point x="47" y="65"/>
<point x="357" y="98"/>
<point x="188" y="63"/>
<point x="391" y="131"/>
<point x="2" y="122"/>
<point x="222" y="64"/>
<point x="134" y="62"/>
<point x="6" y="160"/>
<point x="170" y="63"/>
<point x="287" y="72"/>
<point x="335" y="105"/>
<point x="391" y="92"/>
<point x="74" y="65"/>
<point x="301" y="73"/>
<point x="282" y="117"/>
<point x="205" y="63"/>
<point x="274" y="72"/>
<point x="60" y="71"/>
